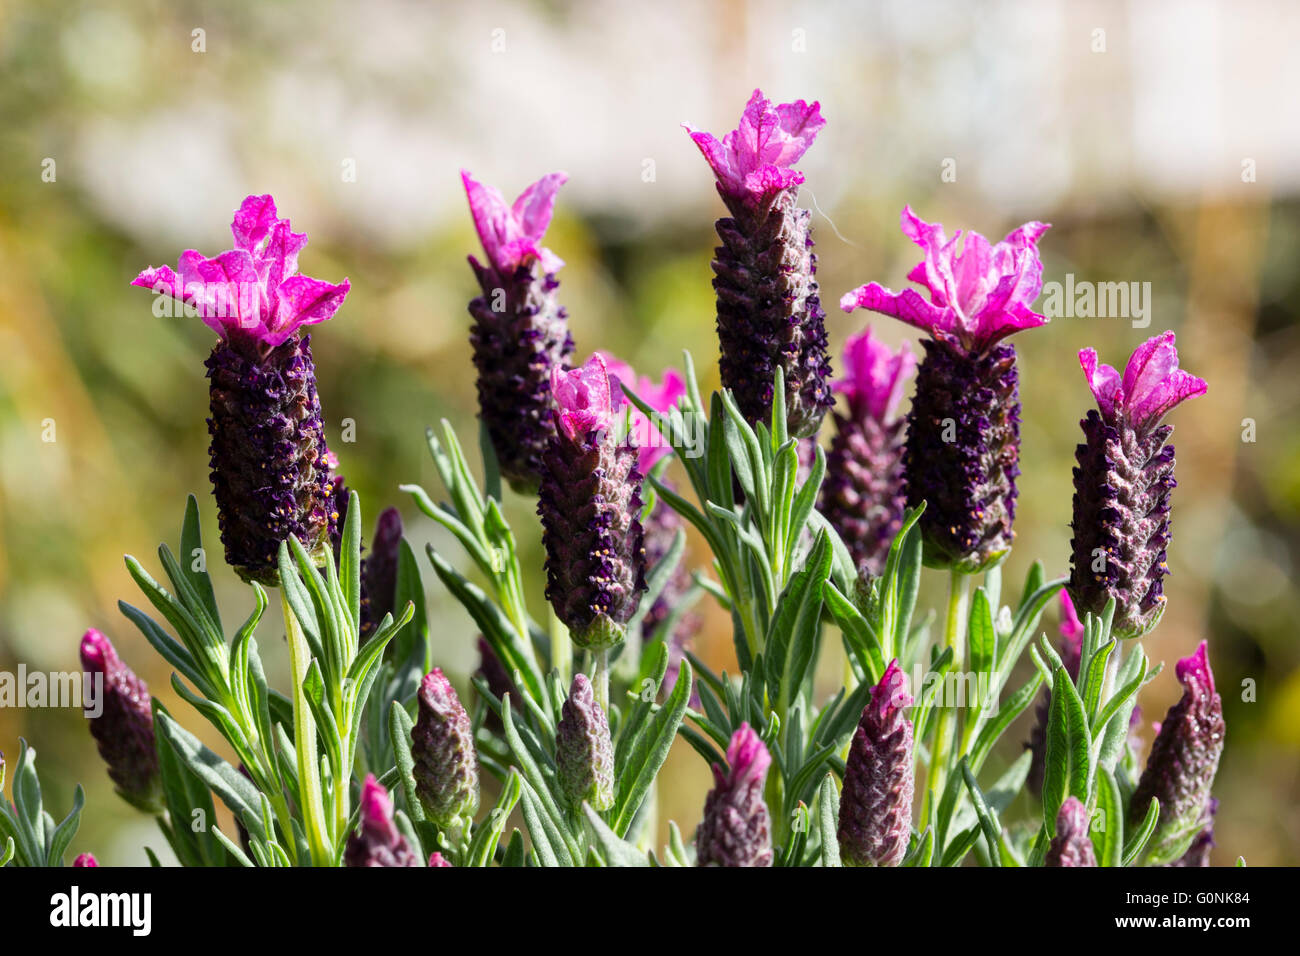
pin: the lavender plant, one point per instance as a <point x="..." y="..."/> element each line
<point x="370" y="756"/>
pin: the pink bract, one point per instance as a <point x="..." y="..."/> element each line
<point x="978" y="295"/>
<point x="874" y="379"/>
<point x="253" y="289"/>
<point x="651" y="445"/>
<point x="584" y="398"/>
<point x="1152" y="383"/>
<point x="753" y="161"/>
<point x="512" y="234"/>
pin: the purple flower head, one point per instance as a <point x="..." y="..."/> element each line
<point x="85" y="859"/>
<point x="1183" y="761"/>
<point x="584" y="399"/>
<point x="876" y="801"/>
<point x="442" y="747"/>
<point x="1071" y="846"/>
<point x="437" y="859"/>
<point x="661" y="396"/>
<point x="254" y="290"/>
<point x="1152" y="383"/>
<point x="874" y="376"/>
<point x="512" y="234"/>
<point x="377" y="841"/>
<point x="754" y="160"/>
<point x="978" y="296"/>
<point x="123" y="731"/>
<point x="1124" y="483"/>
<point x="736" y="829"/>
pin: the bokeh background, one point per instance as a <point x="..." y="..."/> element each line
<point x="1160" y="139"/>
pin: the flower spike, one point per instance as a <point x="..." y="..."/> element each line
<point x="520" y="332"/>
<point x="590" y="505"/>
<point x="1183" y="761"/>
<point x="1123" y="485"/>
<point x="271" y="471"/>
<point x="736" y="829"/>
<point x="863" y="496"/>
<point x="123" y="731"/>
<point x="769" y="306"/>
<point x="963" y="436"/>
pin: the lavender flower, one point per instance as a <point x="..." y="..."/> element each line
<point x="590" y="505"/>
<point x="436" y="859"/>
<point x="269" y="461"/>
<point x="876" y="801"/>
<point x="519" y="333"/>
<point x="123" y="731"/>
<point x="1071" y="648"/>
<point x="584" y="754"/>
<point x="661" y="525"/>
<point x="442" y="746"/>
<point x="769" y="309"/>
<point x="1071" y="846"/>
<point x="862" y="496"/>
<point x="1183" y="761"/>
<point x="377" y="842"/>
<point x="736" y="830"/>
<point x="85" y="859"/>
<point x="963" y="438"/>
<point x="1123" y="484"/>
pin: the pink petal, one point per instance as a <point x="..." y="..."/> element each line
<point x="1103" y="380"/>
<point x="536" y="204"/>
<point x="970" y="272"/>
<point x="161" y="280"/>
<point x="583" y="397"/>
<point x="492" y="220"/>
<point x="254" y="220"/>
<point x="1071" y="628"/>
<point x="747" y="757"/>
<point x="875" y="376"/>
<point x="717" y="156"/>
<point x="1196" y="669"/>
<point x="907" y="306"/>
<point x="1153" y="382"/>
<point x="304" y="301"/>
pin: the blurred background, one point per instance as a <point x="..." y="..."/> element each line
<point x="1154" y="136"/>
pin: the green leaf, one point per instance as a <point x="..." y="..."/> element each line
<point x="983" y="640"/>
<point x="191" y="542"/>
<point x="235" y="790"/>
<point x="1108" y="842"/>
<point x="648" y="753"/>
<point x="399" y="730"/>
<point x="1138" y="841"/>
<point x="828" y="815"/>
<point x="792" y="637"/>
<point x="1068" y="767"/>
<point x="922" y="851"/>
<point x="616" y="851"/>
<point x="488" y="835"/>
<point x="988" y="822"/>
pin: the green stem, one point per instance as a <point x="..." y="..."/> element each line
<point x="954" y="637"/>
<point x="561" y="647"/>
<point x="600" y="678"/>
<point x="304" y="743"/>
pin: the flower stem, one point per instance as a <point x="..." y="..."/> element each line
<point x="600" y="678"/>
<point x="304" y="743"/>
<point x="954" y="638"/>
<point x="561" y="648"/>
